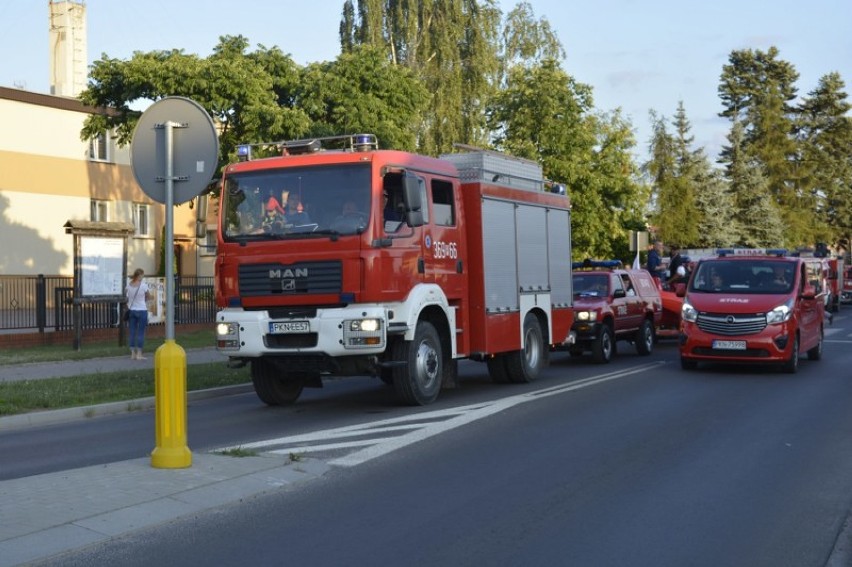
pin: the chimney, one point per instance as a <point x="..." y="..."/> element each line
<point x="68" y="65"/>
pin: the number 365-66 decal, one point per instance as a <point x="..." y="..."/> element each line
<point x="444" y="249"/>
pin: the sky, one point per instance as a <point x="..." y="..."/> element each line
<point x="637" y="55"/>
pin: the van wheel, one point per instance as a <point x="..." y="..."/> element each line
<point x="645" y="338"/>
<point x="816" y="352"/>
<point x="273" y="387"/>
<point x="791" y="366"/>
<point x="524" y="365"/>
<point x="603" y="345"/>
<point x="419" y="382"/>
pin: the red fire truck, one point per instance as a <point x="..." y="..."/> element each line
<point x="337" y="258"/>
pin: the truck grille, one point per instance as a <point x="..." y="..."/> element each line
<point x="731" y="325"/>
<point x="291" y="279"/>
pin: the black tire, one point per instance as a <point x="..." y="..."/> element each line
<point x="791" y="366"/>
<point x="604" y="345"/>
<point x="497" y="369"/>
<point x="419" y="382"/>
<point x="688" y="364"/>
<point x="525" y="365"/>
<point x="272" y="386"/>
<point x="816" y="352"/>
<point x="645" y="338"/>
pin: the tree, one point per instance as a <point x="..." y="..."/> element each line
<point x="757" y="90"/>
<point x="545" y="115"/>
<point x="362" y="92"/>
<point x="756" y="214"/>
<point x="242" y="92"/>
<point x="825" y="134"/>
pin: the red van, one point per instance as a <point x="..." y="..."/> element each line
<point x="751" y="309"/>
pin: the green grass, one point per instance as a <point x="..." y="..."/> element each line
<point x="187" y="340"/>
<point x="56" y="393"/>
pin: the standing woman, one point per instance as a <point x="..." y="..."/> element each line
<point x="137" y="305"/>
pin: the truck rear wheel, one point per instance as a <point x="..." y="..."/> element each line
<point x="525" y="365"/>
<point x="419" y="381"/>
<point x="645" y="338"/>
<point x="272" y="386"/>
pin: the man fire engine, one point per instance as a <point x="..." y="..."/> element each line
<point x="395" y="265"/>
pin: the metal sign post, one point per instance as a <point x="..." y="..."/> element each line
<point x="156" y="159"/>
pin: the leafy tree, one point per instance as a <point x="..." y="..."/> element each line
<point x="545" y="115"/>
<point x="242" y="91"/>
<point x="825" y="132"/>
<point x="362" y="92"/>
<point x="451" y="47"/>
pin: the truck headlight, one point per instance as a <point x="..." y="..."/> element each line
<point x="688" y="312"/>
<point x="363" y="333"/>
<point x="227" y="335"/>
<point x="587" y="315"/>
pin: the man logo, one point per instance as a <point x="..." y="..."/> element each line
<point x="288" y="273"/>
<point x="288" y="285"/>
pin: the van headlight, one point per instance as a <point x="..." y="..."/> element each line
<point x="688" y="312"/>
<point x="586" y="315"/>
<point x="780" y="314"/>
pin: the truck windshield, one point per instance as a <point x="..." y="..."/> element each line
<point x="746" y="277"/>
<point x="296" y="202"/>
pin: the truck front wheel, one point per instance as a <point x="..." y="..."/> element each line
<point x="272" y="386"/>
<point x="418" y="382"/>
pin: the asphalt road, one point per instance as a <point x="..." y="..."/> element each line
<point x="632" y="463"/>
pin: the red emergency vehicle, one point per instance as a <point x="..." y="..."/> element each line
<point x="846" y="285"/>
<point x="389" y="264"/>
<point x="752" y="306"/>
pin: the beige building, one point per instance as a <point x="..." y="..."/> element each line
<point x="48" y="176"/>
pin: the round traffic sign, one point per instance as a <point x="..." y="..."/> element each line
<point x="195" y="149"/>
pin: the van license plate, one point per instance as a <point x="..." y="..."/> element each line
<point x="729" y="345"/>
<point x="278" y="327"/>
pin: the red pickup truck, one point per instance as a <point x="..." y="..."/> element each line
<point x="611" y="304"/>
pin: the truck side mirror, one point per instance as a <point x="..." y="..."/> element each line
<point x="411" y="200"/>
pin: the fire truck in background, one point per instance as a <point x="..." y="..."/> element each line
<point x="469" y="258"/>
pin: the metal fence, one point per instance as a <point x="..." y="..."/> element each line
<point x="47" y="303"/>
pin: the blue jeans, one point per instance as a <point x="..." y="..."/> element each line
<point x="136" y="324"/>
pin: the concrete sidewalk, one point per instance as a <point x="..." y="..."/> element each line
<point x="49" y="514"/>
<point x="46" y="515"/>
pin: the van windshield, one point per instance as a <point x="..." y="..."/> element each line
<point x="762" y="276"/>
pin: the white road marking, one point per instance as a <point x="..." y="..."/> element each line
<point x="419" y="427"/>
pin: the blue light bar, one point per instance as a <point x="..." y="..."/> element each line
<point x="244" y="152"/>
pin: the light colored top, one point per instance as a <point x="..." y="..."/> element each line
<point x="136" y="296"/>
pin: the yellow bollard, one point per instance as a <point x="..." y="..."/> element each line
<point x="171" y="451"/>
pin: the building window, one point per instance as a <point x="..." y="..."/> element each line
<point x="141" y="219"/>
<point x="99" y="211"/>
<point x="207" y="245"/>
<point x="99" y="147"/>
